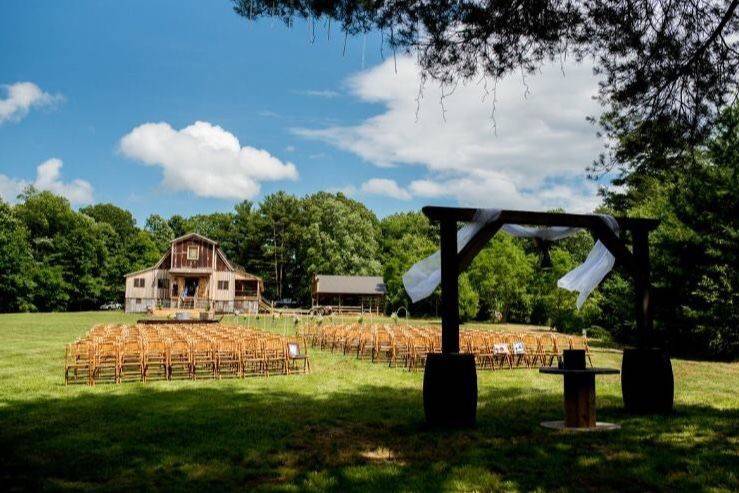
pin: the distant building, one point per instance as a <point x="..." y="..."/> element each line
<point x="349" y="293"/>
<point x="194" y="273"/>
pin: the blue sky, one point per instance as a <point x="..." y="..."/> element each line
<point x="306" y="117"/>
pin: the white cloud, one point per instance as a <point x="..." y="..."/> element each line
<point x="48" y="177"/>
<point x="204" y="159"/>
<point x="388" y="188"/>
<point x="492" y="189"/>
<point x="539" y="135"/>
<point x="325" y="93"/>
<point x="348" y="190"/>
<point x="21" y="97"/>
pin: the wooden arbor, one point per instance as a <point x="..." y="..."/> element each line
<point x="450" y="381"/>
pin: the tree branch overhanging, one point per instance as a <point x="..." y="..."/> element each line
<point x="662" y="62"/>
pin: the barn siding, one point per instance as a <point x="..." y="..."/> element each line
<point x="205" y="254"/>
<point x="222" y="295"/>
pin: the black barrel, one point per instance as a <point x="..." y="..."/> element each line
<point x="647" y="383"/>
<point x="450" y="390"/>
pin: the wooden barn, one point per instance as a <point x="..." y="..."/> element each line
<point x="193" y="274"/>
<point x="346" y="294"/>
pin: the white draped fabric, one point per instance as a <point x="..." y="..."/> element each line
<point x="424" y="276"/>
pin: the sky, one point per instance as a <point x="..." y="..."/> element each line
<point x="183" y="107"/>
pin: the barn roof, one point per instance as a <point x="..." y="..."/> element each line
<point x="366" y="285"/>
<point x="194" y="235"/>
<point x="232" y="266"/>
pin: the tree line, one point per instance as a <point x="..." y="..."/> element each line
<point x="53" y="258"/>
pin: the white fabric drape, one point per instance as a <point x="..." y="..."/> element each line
<point x="424" y="276"/>
<point x="585" y="277"/>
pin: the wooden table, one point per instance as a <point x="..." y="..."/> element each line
<point x="579" y="393"/>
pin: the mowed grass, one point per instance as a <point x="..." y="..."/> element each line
<point x="348" y="426"/>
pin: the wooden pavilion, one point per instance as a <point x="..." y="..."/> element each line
<point x="450" y="380"/>
<point x="348" y="294"/>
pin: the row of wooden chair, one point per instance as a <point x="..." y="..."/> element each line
<point x="408" y="345"/>
<point x="120" y="353"/>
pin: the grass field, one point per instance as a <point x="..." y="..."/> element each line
<point x="349" y="425"/>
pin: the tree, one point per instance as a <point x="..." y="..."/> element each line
<point x="695" y="249"/>
<point x="216" y="226"/>
<point x="245" y="245"/>
<point x="396" y="227"/>
<point x="82" y="255"/>
<point x="501" y="274"/>
<point x="179" y="225"/>
<point x="280" y="236"/>
<point x="71" y="250"/>
<point x="160" y="231"/>
<point x="468" y="299"/>
<point x="667" y="67"/>
<point x="121" y="220"/>
<point x="406" y="238"/>
<point x="16" y="263"/>
<point x="559" y="304"/>
<point x="45" y="215"/>
<point x="399" y="256"/>
<point x="340" y="237"/>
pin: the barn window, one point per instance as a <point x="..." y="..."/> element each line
<point x="162" y="283"/>
<point x="138" y="282"/>
<point x="223" y="285"/>
<point x="192" y="253"/>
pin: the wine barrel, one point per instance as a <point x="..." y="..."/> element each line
<point x="450" y="390"/>
<point x="647" y="382"/>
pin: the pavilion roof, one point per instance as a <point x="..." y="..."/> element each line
<point x="361" y="285"/>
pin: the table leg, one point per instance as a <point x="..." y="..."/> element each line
<point x="580" y="401"/>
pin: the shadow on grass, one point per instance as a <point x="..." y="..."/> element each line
<point x="370" y="439"/>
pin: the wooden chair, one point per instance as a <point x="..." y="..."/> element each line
<point x="154" y="360"/>
<point x="418" y="349"/>
<point x="549" y="350"/>
<point x="366" y="344"/>
<point x="297" y="352"/>
<point x="275" y="356"/>
<point x="131" y="361"/>
<point x="519" y="354"/>
<point x="533" y="349"/>
<point x="400" y="349"/>
<point x="105" y="362"/>
<point x="352" y="341"/>
<point x="383" y="345"/>
<point x="228" y="359"/>
<point x="252" y="357"/>
<point x="78" y="363"/>
<point x="501" y="351"/>
<point x="203" y="362"/>
<point x="178" y="359"/>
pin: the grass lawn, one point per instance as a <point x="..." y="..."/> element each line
<point x="349" y="425"/>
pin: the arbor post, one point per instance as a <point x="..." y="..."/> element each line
<point x="449" y="288"/>
<point x="450" y="378"/>
<point x="642" y="295"/>
<point x="647" y="382"/>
